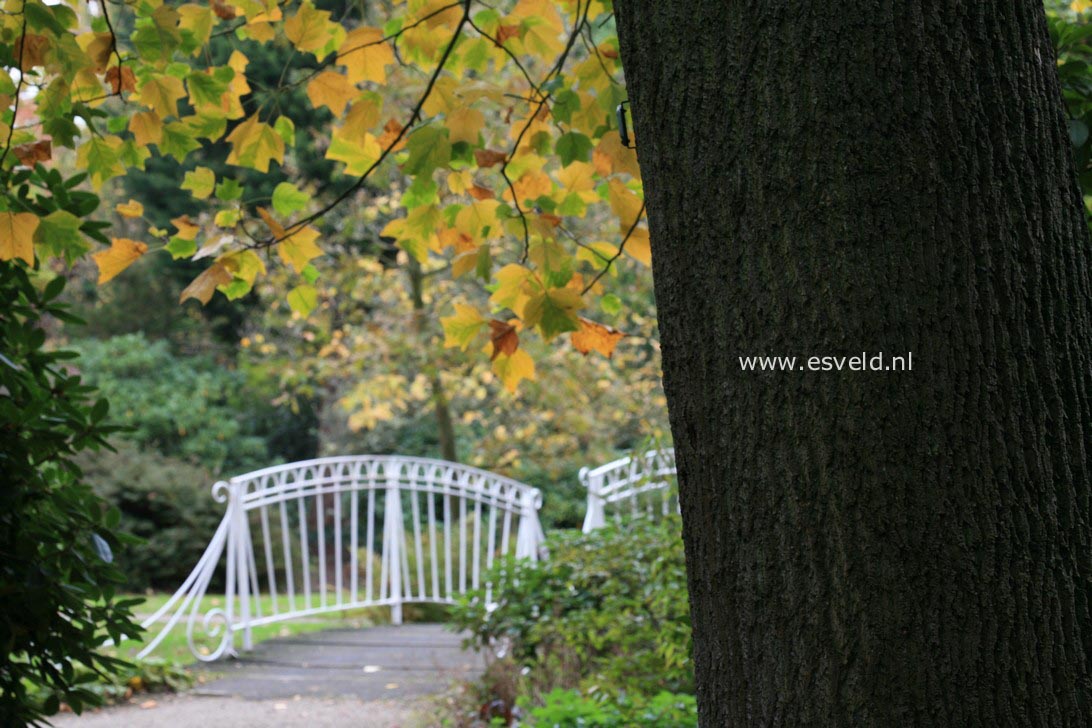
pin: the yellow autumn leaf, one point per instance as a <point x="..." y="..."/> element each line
<point x="511" y="287"/>
<point x="465" y="123"/>
<point x="98" y="47"/>
<point x="594" y="336"/>
<point x="300" y="248"/>
<point x="17" y="236"/>
<point x="513" y="368"/>
<point x="161" y="93"/>
<point x="358" y="151"/>
<point x="203" y="286"/>
<point x="625" y="204"/>
<point x="147" y="128"/>
<point x="187" y="228"/>
<point x="238" y="63"/>
<point x="132" y="208"/>
<point x="122" y="253"/>
<point x="460" y="329"/>
<point x="577" y="178"/>
<point x="254" y="144"/>
<point x="312" y="30"/>
<point x="610" y="156"/>
<point x="332" y="90"/>
<point x="365" y="55"/>
<point x="638" y="245"/>
<point x="479" y="220"/>
<point x="244" y="264"/>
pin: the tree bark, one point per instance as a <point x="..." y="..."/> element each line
<point x="441" y="410"/>
<point x="888" y="548"/>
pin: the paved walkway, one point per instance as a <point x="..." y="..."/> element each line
<point x="381" y="676"/>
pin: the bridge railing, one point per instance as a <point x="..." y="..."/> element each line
<point x="633" y="485"/>
<point x="347" y="532"/>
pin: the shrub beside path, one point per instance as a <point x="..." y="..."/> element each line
<point x="380" y="676"/>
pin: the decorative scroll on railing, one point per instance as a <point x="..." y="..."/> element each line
<point x="644" y="484"/>
<point x="347" y="532"/>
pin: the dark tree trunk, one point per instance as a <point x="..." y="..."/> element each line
<point x="441" y="410"/>
<point x="890" y="548"/>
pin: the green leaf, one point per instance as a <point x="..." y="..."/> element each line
<point x="429" y="148"/>
<point x="288" y="199"/>
<point x="200" y="182"/>
<point x="565" y="105"/>
<point x="573" y="146"/>
<point x="229" y="190"/>
<point x="180" y="248"/>
<point x="58" y="234"/>
<point x="177" y="141"/>
<point x="610" y="304"/>
<point x="554" y="311"/>
<point x="303" y="299"/>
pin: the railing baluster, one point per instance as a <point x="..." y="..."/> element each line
<point x="447" y="538"/>
<point x="354" y="539"/>
<point x="476" y="581"/>
<point x="415" y="513"/>
<point x="288" y="575"/>
<point x="369" y="564"/>
<point x="305" y="553"/>
<point x="320" y="539"/>
<point x="462" y="543"/>
<point x="506" y="528"/>
<point x="338" y="546"/>
<point x="267" y="542"/>
<point x="432" y="544"/>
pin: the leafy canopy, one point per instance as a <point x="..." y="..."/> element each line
<point x="499" y="118"/>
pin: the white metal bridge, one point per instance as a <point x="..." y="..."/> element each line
<point x="338" y="533"/>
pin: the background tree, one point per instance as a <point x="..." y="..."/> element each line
<point x="872" y="548"/>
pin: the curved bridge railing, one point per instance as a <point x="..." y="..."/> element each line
<point x="644" y="484"/>
<point x="346" y="532"/>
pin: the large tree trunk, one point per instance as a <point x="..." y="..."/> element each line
<point x="891" y="548"/>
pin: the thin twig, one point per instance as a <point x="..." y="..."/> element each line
<point x="618" y="254"/>
<point x="18" y="90"/>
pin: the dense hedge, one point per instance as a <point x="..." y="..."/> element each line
<point x="165" y="502"/>
<point x="601" y="628"/>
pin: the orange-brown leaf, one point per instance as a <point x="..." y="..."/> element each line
<point x="122" y="79"/>
<point x="30" y="51"/>
<point x="203" y="286"/>
<point x="481" y="193"/>
<point x="504" y="337"/>
<point x="488" y="157"/>
<point x="223" y="10"/>
<point x="505" y="32"/>
<point x="391" y="130"/>
<point x="593" y="336"/>
<point x="34" y="152"/>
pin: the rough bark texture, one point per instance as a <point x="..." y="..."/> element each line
<point x="825" y="178"/>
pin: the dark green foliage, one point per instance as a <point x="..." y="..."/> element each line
<point x="571" y="709"/>
<point x="57" y="581"/>
<point x="186" y="407"/>
<point x="165" y="502"/>
<point x="607" y="609"/>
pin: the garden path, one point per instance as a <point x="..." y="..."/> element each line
<point x="380" y="676"/>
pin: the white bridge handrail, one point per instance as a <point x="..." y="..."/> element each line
<point x="623" y="481"/>
<point x="347" y="532"/>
